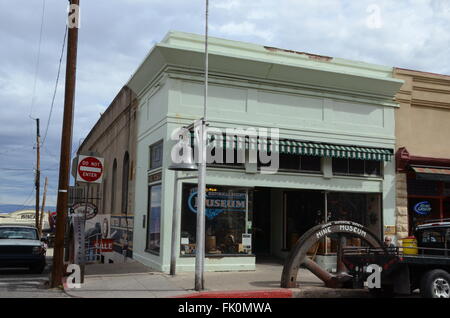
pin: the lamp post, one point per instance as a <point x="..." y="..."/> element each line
<point x="200" y="127"/>
<point x="201" y="189"/>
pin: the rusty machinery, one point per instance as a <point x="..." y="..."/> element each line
<point x="341" y="230"/>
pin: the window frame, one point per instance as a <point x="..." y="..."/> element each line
<point x="365" y="174"/>
<point x="248" y="218"/>
<point x="148" y="216"/>
<point x="153" y="146"/>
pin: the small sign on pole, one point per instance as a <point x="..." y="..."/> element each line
<point x="90" y="169"/>
<point x="86" y="210"/>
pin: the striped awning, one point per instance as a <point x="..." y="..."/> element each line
<point x="432" y="173"/>
<point x="296" y="147"/>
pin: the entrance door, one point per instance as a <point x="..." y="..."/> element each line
<point x="261" y="221"/>
<point x="303" y="209"/>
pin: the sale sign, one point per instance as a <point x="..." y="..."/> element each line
<point x="104" y="245"/>
<point x="90" y="169"/>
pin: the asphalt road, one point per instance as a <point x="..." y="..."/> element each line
<point x="19" y="283"/>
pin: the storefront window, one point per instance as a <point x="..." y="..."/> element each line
<point x="156" y="155"/>
<point x="362" y="208"/>
<point x="423" y="209"/>
<point x="357" y="167"/>
<point x="228" y="220"/>
<point x="154" y="219"/>
<point x="306" y="208"/>
<point x="291" y="162"/>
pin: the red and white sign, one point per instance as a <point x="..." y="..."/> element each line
<point x="90" y="169"/>
<point x="104" y="245"/>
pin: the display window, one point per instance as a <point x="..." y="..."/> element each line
<point x="228" y="221"/>
<point x="154" y="219"/>
<point x="423" y="209"/>
<point x="344" y="166"/>
<point x="307" y="208"/>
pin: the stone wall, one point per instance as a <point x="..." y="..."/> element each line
<point x="401" y="217"/>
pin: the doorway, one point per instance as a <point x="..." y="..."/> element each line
<point x="302" y="210"/>
<point x="261" y="222"/>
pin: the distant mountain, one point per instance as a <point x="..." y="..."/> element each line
<point x="7" y="208"/>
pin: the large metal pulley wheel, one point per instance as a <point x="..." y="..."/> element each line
<point x="340" y="230"/>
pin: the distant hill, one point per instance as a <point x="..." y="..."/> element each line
<point x="7" y="208"/>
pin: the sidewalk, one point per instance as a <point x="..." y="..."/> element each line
<point x="134" y="280"/>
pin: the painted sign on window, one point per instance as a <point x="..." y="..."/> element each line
<point x="218" y="202"/>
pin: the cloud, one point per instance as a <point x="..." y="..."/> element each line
<point x="244" y="29"/>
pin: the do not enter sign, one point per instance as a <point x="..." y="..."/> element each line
<point x="90" y="169"/>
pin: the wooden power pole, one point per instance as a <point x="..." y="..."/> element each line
<point x="66" y="144"/>
<point x="38" y="171"/>
<point x="41" y="217"/>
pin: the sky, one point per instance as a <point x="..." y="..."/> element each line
<point x="116" y="35"/>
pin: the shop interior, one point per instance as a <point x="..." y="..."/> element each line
<point x="267" y="222"/>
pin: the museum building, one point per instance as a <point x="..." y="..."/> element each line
<point x="335" y="144"/>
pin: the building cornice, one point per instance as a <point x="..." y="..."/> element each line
<point x="231" y="58"/>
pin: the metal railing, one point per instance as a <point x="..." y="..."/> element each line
<point x="92" y="252"/>
<point x="397" y="251"/>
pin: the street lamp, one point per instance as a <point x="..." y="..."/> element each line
<point x="201" y="188"/>
<point x="201" y="193"/>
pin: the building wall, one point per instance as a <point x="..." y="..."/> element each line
<point x="112" y="137"/>
<point x="422" y="127"/>
<point x="422" y="121"/>
<point x="253" y="86"/>
<point x="249" y="107"/>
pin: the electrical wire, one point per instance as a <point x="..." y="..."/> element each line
<point x="33" y="98"/>
<point x="56" y="86"/>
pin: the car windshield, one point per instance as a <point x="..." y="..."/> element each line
<point x="433" y="236"/>
<point x="19" y="233"/>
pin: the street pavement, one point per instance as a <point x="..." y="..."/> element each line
<point x="137" y="281"/>
<point x="134" y="280"/>
<point x="19" y="283"/>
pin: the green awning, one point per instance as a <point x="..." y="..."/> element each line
<point x="306" y="148"/>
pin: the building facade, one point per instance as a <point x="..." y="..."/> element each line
<point x="423" y="149"/>
<point x="335" y="144"/>
<point x="113" y="138"/>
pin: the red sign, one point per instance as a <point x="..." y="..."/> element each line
<point x="90" y="169"/>
<point x="104" y="245"/>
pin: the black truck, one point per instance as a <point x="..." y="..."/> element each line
<point x="404" y="270"/>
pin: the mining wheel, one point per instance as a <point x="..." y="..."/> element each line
<point x="340" y="230"/>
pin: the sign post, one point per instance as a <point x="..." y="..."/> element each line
<point x="89" y="170"/>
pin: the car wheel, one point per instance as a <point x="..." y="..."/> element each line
<point x="435" y="284"/>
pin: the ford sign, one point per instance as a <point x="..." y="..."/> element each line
<point x="423" y="208"/>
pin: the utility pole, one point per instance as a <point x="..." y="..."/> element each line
<point x="66" y="143"/>
<point x="41" y="218"/>
<point x="38" y="171"/>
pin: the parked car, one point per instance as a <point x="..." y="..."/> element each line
<point x="21" y="246"/>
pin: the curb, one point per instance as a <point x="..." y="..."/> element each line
<point x="273" y="293"/>
<point x="325" y="292"/>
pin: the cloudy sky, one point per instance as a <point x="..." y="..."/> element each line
<point x="116" y="35"/>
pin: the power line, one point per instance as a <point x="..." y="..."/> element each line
<point x="38" y="60"/>
<point x="56" y="85"/>
<point x="29" y="196"/>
